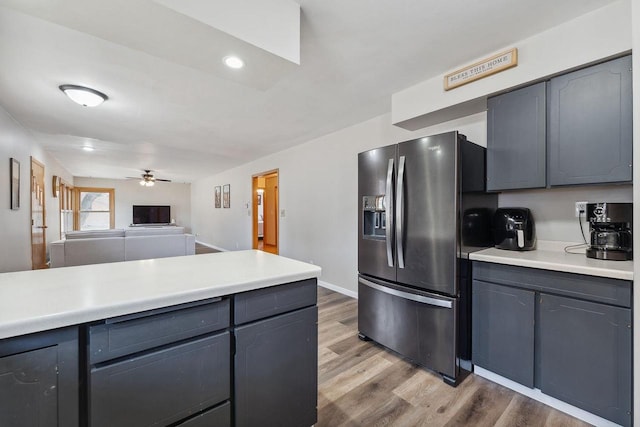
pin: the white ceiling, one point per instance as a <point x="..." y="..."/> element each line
<point x="174" y="109"/>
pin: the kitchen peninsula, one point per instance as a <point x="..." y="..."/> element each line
<point x="217" y="339"/>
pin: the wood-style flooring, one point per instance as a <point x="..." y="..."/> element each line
<point x="202" y="249"/>
<point x="362" y="384"/>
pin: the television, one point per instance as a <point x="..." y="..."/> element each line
<point x="151" y="214"/>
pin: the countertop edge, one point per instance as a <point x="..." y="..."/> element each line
<point x="562" y="267"/>
<point x="63" y="320"/>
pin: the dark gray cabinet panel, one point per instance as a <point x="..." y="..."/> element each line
<point x="125" y="335"/>
<point x="516" y="139"/>
<point x="262" y="303"/>
<point x="585" y="355"/>
<point x="276" y="365"/>
<point x="39" y="380"/>
<point x="162" y="387"/>
<point x="219" y="416"/>
<point x="503" y="331"/>
<point x="590" y="125"/>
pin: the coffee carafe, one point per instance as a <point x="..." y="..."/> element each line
<point x="610" y="226"/>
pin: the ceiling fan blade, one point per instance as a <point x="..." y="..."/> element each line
<point x="163" y="180"/>
<point x="132" y="177"/>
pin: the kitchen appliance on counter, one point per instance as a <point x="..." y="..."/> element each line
<point x="610" y="226"/>
<point x="414" y="283"/>
<point x="514" y="229"/>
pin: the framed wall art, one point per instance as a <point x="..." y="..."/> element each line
<point x="217" y="196"/>
<point x="226" y="196"/>
<point x="15" y="184"/>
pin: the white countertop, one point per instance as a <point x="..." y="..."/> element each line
<point x="551" y="256"/>
<point x="33" y="301"/>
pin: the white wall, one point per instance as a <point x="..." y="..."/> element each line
<point x="15" y="233"/>
<point x="130" y="192"/>
<point x="318" y="191"/>
<point x="591" y="37"/>
<point x="554" y="209"/>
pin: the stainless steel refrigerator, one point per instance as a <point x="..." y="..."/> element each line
<point x="412" y="282"/>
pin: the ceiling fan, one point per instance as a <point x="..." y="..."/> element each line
<point x="147" y="179"/>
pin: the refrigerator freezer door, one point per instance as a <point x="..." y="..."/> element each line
<point x="418" y="325"/>
<point x="427" y="219"/>
<point x="376" y="251"/>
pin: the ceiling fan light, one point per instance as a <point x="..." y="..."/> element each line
<point x="143" y="182"/>
<point x="83" y="95"/>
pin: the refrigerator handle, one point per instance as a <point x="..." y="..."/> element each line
<point x="388" y="212"/>
<point x="400" y="213"/>
<point x="406" y="295"/>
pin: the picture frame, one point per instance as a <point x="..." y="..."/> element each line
<point x="15" y="184"/>
<point x="226" y="196"/>
<point x="217" y="196"/>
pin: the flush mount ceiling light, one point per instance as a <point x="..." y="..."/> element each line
<point x="233" y="62"/>
<point x="84" y="95"/>
<point x="87" y="148"/>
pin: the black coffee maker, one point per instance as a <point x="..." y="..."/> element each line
<point x="610" y="225"/>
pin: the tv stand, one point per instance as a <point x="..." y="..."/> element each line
<point x="154" y="225"/>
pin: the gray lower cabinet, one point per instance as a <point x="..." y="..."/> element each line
<point x="161" y="367"/>
<point x="585" y="355"/>
<point x="39" y="380"/>
<point x="567" y="334"/>
<point x="590" y="125"/>
<point x="503" y="331"/>
<point x="516" y="139"/>
<point x="276" y="360"/>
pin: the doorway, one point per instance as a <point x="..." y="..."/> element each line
<point x="38" y="217"/>
<point x="265" y="211"/>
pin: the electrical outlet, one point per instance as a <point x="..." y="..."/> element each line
<point x="581" y="209"/>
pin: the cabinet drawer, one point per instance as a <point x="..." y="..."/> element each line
<point x="267" y="302"/>
<point x="216" y="417"/>
<point x="163" y="387"/>
<point x="126" y="335"/>
<point x="590" y="288"/>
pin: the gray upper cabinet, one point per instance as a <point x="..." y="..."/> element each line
<point x="516" y="139"/>
<point x="590" y="125"/>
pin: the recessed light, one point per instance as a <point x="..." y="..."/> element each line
<point x="87" y="148"/>
<point x="233" y="62"/>
<point x="83" y="95"/>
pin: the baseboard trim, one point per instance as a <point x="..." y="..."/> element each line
<point x="536" y="394"/>
<point x="338" y="289"/>
<point x="217" y="248"/>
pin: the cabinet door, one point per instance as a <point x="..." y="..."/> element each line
<point x="585" y="355"/>
<point x="276" y="364"/>
<point x="39" y="379"/>
<point x="516" y="139"/>
<point x="590" y="125"/>
<point x="503" y="331"/>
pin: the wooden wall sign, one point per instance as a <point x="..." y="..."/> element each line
<point x="481" y="69"/>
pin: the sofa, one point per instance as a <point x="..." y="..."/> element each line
<point x="134" y="243"/>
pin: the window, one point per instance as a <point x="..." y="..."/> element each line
<point x="65" y="196"/>
<point x="94" y="208"/>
